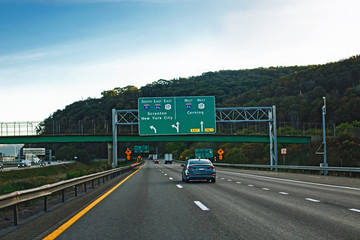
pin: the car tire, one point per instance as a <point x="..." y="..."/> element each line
<point x="186" y="180"/>
<point x="213" y="181"/>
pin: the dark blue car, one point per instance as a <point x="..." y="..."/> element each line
<point x="199" y="169"/>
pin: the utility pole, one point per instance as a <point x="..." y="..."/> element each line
<point x="324" y="134"/>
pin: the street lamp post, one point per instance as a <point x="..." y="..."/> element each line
<point x="324" y="134"/>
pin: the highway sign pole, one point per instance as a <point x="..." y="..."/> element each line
<point x="114" y="127"/>
<point x="273" y="137"/>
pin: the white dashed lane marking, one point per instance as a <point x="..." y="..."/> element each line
<point x="312" y="200"/>
<point x="284" y="193"/>
<point x="179" y="186"/>
<point x="200" y="205"/>
<point x="355" y="210"/>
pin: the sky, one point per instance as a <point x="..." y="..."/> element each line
<point x="56" y="52"/>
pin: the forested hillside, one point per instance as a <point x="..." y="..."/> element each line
<point x="296" y="91"/>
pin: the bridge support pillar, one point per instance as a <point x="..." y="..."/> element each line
<point x="110" y="153"/>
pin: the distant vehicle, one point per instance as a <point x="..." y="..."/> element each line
<point x="1" y="166"/>
<point x="42" y="163"/>
<point x="36" y="159"/>
<point x="153" y="156"/>
<point x="24" y="163"/>
<point x="156" y="162"/>
<point x="198" y="169"/>
<point x="168" y="158"/>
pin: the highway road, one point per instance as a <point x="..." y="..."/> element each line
<point x="34" y="165"/>
<point x="153" y="203"/>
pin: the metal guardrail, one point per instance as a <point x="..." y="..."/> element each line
<point x="15" y="198"/>
<point x="289" y="167"/>
<point x="313" y="168"/>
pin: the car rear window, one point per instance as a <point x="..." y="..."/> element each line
<point x="200" y="162"/>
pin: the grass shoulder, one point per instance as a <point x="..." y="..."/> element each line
<point x="17" y="180"/>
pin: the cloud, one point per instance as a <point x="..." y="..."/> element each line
<point x="293" y="32"/>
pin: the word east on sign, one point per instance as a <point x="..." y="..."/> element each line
<point x="176" y="115"/>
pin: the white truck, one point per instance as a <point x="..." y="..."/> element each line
<point x="168" y="157"/>
<point x="32" y="158"/>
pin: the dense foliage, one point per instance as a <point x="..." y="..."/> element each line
<point x="296" y="91"/>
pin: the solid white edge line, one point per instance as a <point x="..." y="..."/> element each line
<point x="312" y="200"/>
<point x="200" y="205"/>
<point x="355" y="210"/>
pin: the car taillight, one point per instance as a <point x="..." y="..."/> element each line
<point x="212" y="167"/>
<point x="190" y="168"/>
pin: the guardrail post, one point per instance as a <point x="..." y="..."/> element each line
<point x="75" y="187"/>
<point x="85" y="190"/>
<point x="63" y="195"/>
<point x="92" y="184"/>
<point x="45" y="203"/>
<point x="98" y="181"/>
<point x="16" y="214"/>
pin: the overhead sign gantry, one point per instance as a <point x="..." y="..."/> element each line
<point x="190" y="115"/>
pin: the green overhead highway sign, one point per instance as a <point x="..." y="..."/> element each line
<point x="204" y="153"/>
<point x="142" y="149"/>
<point x="176" y="115"/>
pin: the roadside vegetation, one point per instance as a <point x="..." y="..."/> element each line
<point x="27" y="178"/>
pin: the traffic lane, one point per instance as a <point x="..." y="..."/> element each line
<point x="279" y="216"/>
<point x="342" y="196"/>
<point x="148" y="206"/>
<point x="268" y="208"/>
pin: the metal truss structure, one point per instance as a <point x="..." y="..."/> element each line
<point x="126" y="117"/>
<point x="233" y="115"/>
<point x="19" y="128"/>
